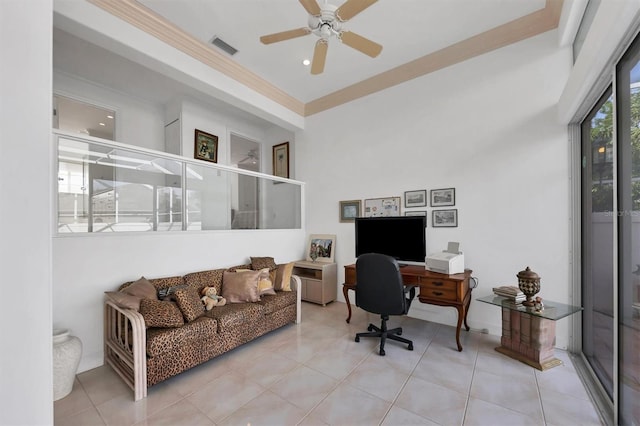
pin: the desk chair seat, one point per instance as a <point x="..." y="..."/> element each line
<point x="379" y="290"/>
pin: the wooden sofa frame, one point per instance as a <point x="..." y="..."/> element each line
<point x="125" y="342"/>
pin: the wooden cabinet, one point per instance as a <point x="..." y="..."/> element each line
<point x="319" y="281"/>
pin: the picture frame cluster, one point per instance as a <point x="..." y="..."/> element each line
<point x="391" y="206"/>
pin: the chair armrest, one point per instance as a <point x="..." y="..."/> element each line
<point x="125" y="346"/>
<point x="297" y="284"/>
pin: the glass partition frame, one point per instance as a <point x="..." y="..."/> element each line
<point x="97" y="178"/>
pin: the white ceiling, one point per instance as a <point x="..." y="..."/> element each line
<point x="407" y="29"/>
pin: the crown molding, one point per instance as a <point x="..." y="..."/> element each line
<point x="530" y="25"/>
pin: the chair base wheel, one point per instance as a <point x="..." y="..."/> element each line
<point x="410" y="346"/>
<point x="357" y="339"/>
<point x="382" y="352"/>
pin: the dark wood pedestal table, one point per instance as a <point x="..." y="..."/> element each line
<point x="529" y="335"/>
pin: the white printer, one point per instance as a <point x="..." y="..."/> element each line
<point x="449" y="261"/>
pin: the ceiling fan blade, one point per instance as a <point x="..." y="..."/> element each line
<point x="360" y="43"/>
<point x="351" y="8"/>
<point x="319" y="56"/>
<point x="284" y="35"/>
<point x="311" y="6"/>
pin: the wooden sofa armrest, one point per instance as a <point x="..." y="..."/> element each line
<point x="295" y="281"/>
<point x="125" y="347"/>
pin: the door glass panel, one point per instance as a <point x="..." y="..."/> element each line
<point x="597" y="241"/>
<point x="628" y="160"/>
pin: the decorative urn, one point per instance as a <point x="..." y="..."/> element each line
<point x="529" y="284"/>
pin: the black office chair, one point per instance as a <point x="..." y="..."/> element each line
<point x="379" y="290"/>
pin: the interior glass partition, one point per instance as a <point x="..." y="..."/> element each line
<point x="106" y="187"/>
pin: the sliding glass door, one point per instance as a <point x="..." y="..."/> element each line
<point x="597" y="241"/>
<point x="628" y="217"/>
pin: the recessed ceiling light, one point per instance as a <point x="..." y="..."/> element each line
<point x="306" y="62"/>
<point x="110" y="116"/>
<point x="102" y="124"/>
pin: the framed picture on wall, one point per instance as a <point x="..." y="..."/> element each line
<point x="281" y="160"/>
<point x="445" y="218"/>
<point x="349" y="210"/>
<point x="415" y="198"/>
<point x="443" y="197"/>
<point x="206" y="146"/>
<point x="382" y="207"/>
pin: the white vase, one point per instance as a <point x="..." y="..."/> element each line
<point x="66" y="357"/>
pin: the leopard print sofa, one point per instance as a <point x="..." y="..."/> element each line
<point x="144" y="356"/>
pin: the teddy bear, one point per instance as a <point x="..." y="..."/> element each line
<point x="210" y="298"/>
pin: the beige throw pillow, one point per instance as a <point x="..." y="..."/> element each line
<point x="265" y="284"/>
<point x="240" y="287"/>
<point x="142" y="289"/>
<point x="283" y="277"/>
<point x="124" y="300"/>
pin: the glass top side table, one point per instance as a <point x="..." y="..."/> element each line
<point x="529" y="335"/>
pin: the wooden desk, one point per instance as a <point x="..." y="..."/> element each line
<point x="435" y="289"/>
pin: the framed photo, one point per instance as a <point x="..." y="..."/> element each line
<point x="443" y="197"/>
<point x="445" y="218"/>
<point x="321" y="248"/>
<point x="415" y="198"/>
<point x="206" y="146"/>
<point x="416" y="213"/>
<point x="281" y="160"/>
<point x="381" y="207"/>
<point x="349" y="210"/>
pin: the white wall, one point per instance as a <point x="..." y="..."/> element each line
<point x="26" y="385"/>
<point x="488" y="128"/>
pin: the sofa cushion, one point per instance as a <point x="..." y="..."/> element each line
<point x="258" y="263"/>
<point x="168" y="292"/>
<point x="280" y="300"/>
<point x="124" y="300"/>
<point x="161" y="340"/>
<point x="240" y="287"/>
<point x="232" y="316"/>
<point x="283" y="277"/>
<point x="202" y="279"/>
<point x="141" y="288"/>
<point x="157" y="313"/>
<point x="189" y="303"/>
<point x="265" y="284"/>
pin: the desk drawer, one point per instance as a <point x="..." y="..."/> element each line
<point x="437" y="284"/>
<point x="439" y="294"/>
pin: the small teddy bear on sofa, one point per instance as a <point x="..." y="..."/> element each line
<point x="210" y="298"/>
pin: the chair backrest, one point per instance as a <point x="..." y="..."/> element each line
<point x="379" y="287"/>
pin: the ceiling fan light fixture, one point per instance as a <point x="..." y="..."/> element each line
<point x="325" y="22"/>
<point x="306" y="62"/>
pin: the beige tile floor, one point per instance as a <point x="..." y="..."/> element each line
<point x="315" y="374"/>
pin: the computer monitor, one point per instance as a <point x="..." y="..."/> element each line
<point x="401" y="237"/>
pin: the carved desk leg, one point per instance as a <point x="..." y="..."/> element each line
<point x="466" y="312"/>
<point x="461" y="316"/>
<point x="345" y="292"/>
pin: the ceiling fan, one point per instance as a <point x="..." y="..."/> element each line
<point x="325" y="22"/>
